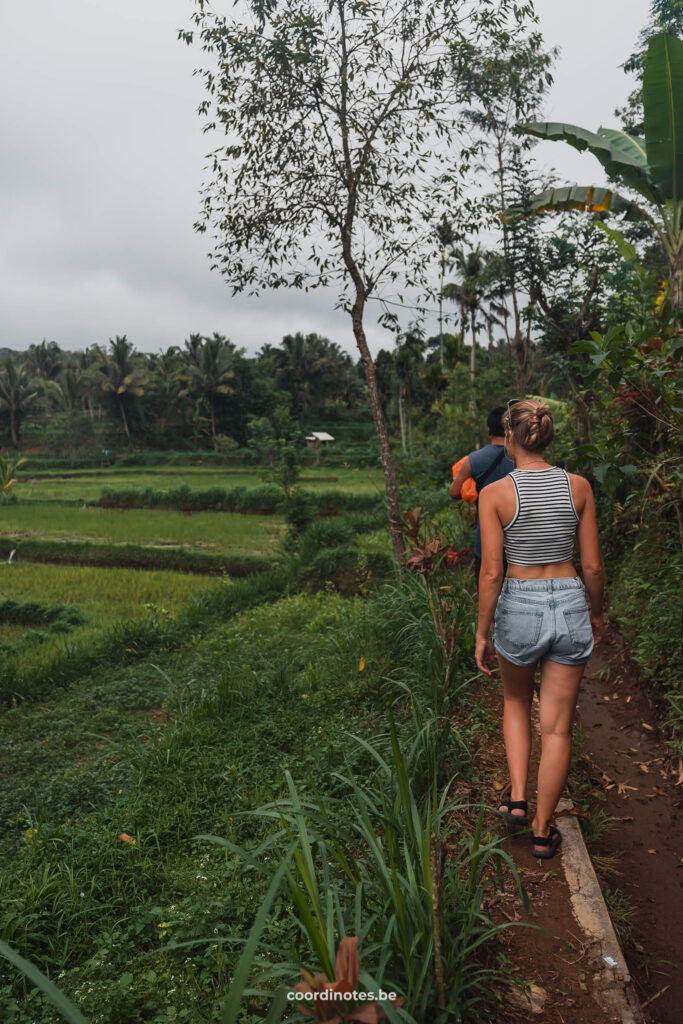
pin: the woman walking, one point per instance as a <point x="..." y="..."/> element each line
<point x="541" y="613"/>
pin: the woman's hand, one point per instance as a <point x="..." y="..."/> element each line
<point x="484" y="654"/>
<point x="598" y="626"/>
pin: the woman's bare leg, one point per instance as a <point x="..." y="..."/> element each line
<point x="559" y="691"/>
<point x="518" y="691"/>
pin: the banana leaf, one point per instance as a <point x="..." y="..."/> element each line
<point x="663" y="104"/>
<point x="628" y="251"/>
<point x="620" y="154"/>
<point x="575" y="197"/>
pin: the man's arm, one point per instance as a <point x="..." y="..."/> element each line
<point x="464" y="473"/>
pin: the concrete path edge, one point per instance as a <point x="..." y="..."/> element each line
<point x="611" y="985"/>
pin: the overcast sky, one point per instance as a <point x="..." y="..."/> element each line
<point x="102" y="161"/>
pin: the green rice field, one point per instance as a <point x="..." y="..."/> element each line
<point x="87" y="485"/>
<point x="224" y="532"/>
<point x="105" y="597"/>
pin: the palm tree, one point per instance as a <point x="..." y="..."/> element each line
<point x="45" y="360"/>
<point x="88" y="366"/>
<point x="67" y="391"/>
<point x="122" y="376"/>
<point x="313" y="369"/>
<point x="18" y="393"/>
<point x="208" y="371"/>
<point x="652" y="166"/>
<point x="469" y="293"/>
<point x="167" y="380"/>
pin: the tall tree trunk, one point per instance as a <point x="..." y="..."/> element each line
<point x="409" y="422"/>
<point x="401" y="418"/>
<point x="213" y="420"/>
<point x="358" y="308"/>
<point x="13" y="424"/>
<point x="124" y="418"/>
<point x="675" y="271"/>
<point x="443" y="272"/>
<point x="393" y="509"/>
<point x="473" y="362"/>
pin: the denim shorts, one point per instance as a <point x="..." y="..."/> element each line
<point x="543" y="619"/>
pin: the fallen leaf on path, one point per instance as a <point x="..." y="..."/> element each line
<point x="644" y="768"/>
<point x="650" y="728"/>
<point x="623" y="787"/>
<point x="605" y="697"/>
<point x="615" y="696"/>
<point x="628" y="818"/>
<point x="574" y="811"/>
<point x="628" y="699"/>
<point x="125" y="838"/>
<point x="651" y="851"/>
<point x="497" y="786"/>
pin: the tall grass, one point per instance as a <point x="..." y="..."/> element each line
<point x="378" y="865"/>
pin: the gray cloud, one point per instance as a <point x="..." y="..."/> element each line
<point x="102" y="159"/>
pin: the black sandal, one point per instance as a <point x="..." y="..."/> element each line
<point x="515" y="819"/>
<point x="552" y="842"/>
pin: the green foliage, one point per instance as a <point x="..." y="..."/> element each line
<point x="653" y="166"/>
<point x="7" y="474"/>
<point x="647" y="608"/>
<point x="174" y="744"/>
<point x="31" y="613"/>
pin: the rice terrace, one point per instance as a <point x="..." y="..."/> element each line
<point x="340" y="585"/>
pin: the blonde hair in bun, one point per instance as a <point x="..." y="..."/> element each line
<point x="530" y="424"/>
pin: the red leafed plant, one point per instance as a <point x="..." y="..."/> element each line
<point x="335" y="1009"/>
<point x="434" y="558"/>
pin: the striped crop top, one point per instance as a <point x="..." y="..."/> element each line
<point x="543" y="528"/>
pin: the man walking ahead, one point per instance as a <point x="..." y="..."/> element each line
<point x="485" y="466"/>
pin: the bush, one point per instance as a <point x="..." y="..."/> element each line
<point x="647" y="608"/>
<point x="262" y="500"/>
<point x="31" y="613"/>
<point x="131" y="556"/>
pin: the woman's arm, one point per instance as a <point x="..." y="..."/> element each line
<point x="591" y="562"/>
<point x="491" y="573"/>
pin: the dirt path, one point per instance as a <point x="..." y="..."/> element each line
<point x="556" y="955"/>
<point x="629" y="774"/>
<point x="638" y="783"/>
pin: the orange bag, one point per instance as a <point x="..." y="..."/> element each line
<point x="468" y="491"/>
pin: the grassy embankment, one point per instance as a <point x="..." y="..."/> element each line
<point x="174" y="725"/>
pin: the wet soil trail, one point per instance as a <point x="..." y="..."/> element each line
<point x="638" y="782"/>
<point x="627" y="771"/>
<point x="555" y="955"/>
